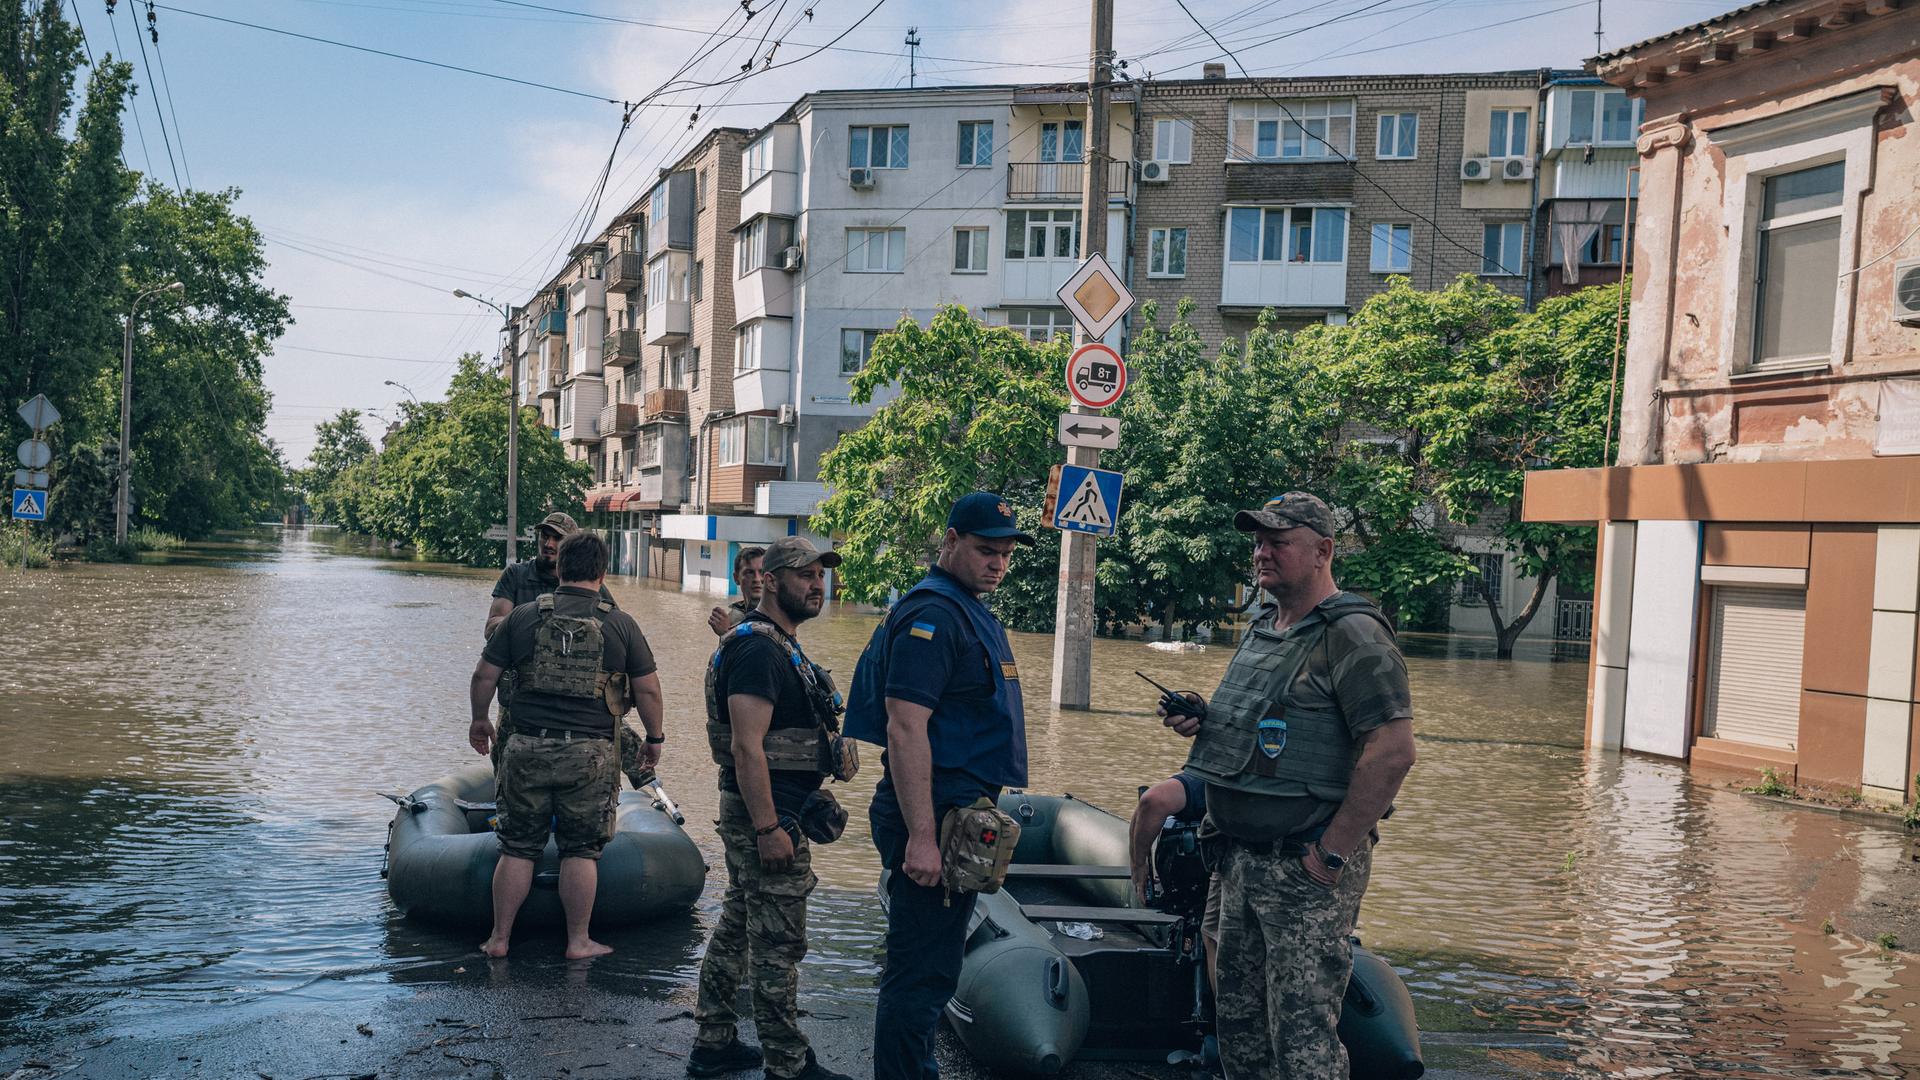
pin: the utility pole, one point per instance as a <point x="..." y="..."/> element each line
<point x="913" y="54"/>
<point x="1073" y="607"/>
<point x="1597" y="13"/>
<point x="124" y="502"/>
<point x="513" y="426"/>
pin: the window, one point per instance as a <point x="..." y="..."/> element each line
<point x="1167" y="253"/>
<point x="1173" y="141"/>
<point x="566" y="410"/>
<point x="1501" y="249"/>
<point x="1399" y="136"/>
<point x="1601" y="249"/>
<point x="663" y="284"/>
<point x="693" y="369"/>
<point x="856" y="348"/>
<point x="1061" y="141"/>
<point x="1507" y="133"/>
<point x="679" y="375"/>
<point x="631" y="382"/>
<point x="756" y="161"/>
<point x="1298" y="234"/>
<point x="876" y="251"/>
<point x="701" y="185"/>
<point x="1040" y="324"/>
<point x="976" y="144"/>
<point x="746" y="347"/>
<point x="751" y="247"/>
<point x="749" y="440"/>
<point x="1314" y="129"/>
<point x="1043" y="234"/>
<point x="1392" y="249"/>
<point x="1492" y="569"/>
<point x="699" y="280"/>
<point x="970" y="250"/>
<point x="877" y="147"/>
<point x="1600" y="116"/>
<point x="1798" y="265"/>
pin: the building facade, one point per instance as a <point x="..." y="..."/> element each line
<point x="1760" y="536"/>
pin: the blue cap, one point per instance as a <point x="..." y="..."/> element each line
<point x="985" y="514"/>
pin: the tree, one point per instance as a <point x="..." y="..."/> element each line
<point x="975" y="412"/>
<point x="341" y="445"/>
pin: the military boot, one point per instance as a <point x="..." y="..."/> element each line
<point x="812" y="1071"/>
<point x="736" y="1056"/>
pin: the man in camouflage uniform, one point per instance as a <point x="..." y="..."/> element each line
<point x="1302" y="748"/>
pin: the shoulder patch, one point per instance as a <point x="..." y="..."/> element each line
<point x="922" y="630"/>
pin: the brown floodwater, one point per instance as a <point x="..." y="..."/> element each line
<point x="192" y="829"/>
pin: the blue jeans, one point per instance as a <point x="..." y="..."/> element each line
<point x="925" y="941"/>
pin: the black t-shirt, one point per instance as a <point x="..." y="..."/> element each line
<point x="522" y="582"/>
<point x="623" y="648"/>
<point x="760" y="667"/>
<point x="1196" y="807"/>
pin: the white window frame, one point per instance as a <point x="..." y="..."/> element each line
<point x="1287" y="252"/>
<point x="860" y="246"/>
<point x="756" y="161"/>
<point x="1839" y="129"/>
<point x="1292" y="125"/>
<point x="968" y="155"/>
<point x="751" y="241"/>
<point x="1173" y="141"/>
<point x="1374" y="241"/>
<point x="1510" y="263"/>
<point x="1053" y="221"/>
<point x="1508" y="148"/>
<point x="1055" y="323"/>
<point x="733" y="438"/>
<point x="1057" y="130"/>
<point x="1160" y="245"/>
<point x="1386" y="143"/>
<point x="1595" y="134"/>
<point x="872" y="129"/>
<point x="748" y="342"/>
<point x="863" y="351"/>
<point x="974" y="241"/>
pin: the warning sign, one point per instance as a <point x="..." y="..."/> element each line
<point x="1088" y="500"/>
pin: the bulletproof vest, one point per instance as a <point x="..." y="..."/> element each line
<point x="787" y="749"/>
<point x="1253" y="738"/>
<point x="567" y="653"/>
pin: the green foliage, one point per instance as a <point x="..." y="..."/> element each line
<point x="37" y="540"/>
<point x="1910" y="817"/>
<point x="441" y="480"/>
<point x="1887" y="941"/>
<point x="1771" y="784"/>
<point x="1826" y="925"/>
<point x="145" y="539"/>
<point x="81" y="502"/>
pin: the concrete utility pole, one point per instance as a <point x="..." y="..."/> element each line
<point x="513" y="428"/>
<point x="123" y="503"/>
<point x="913" y="55"/>
<point x="1073" y="607"/>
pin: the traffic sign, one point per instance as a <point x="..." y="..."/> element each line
<point x="35" y="454"/>
<point x="39" y="413"/>
<point x="1089" y="500"/>
<point x="1096" y="376"/>
<point x="29" y="505"/>
<point x="499" y="532"/>
<point x="1096" y="432"/>
<point x="29" y="478"/>
<point x="1095" y="296"/>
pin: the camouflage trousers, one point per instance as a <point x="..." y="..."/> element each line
<point x="1284" y="960"/>
<point x="762" y="934"/>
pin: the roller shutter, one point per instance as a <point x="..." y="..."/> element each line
<point x="1753" y="669"/>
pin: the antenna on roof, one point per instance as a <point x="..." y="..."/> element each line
<point x="913" y="53"/>
<point x="1598" y="6"/>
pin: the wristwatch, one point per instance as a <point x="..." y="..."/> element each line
<point x="1329" y="860"/>
<point x="656" y="740"/>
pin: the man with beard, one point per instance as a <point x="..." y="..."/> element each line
<point x="746" y="575"/>
<point x="770" y="711"/>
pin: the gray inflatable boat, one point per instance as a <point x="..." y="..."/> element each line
<point x="440" y="857"/>
<point x="1061" y="965"/>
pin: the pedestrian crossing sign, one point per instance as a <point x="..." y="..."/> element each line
<point x="29" y="505"/>
<point x="1088" y="500"/>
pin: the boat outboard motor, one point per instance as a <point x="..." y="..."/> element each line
<point x="1180" y="877"/>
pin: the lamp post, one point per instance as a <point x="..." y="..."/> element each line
<point x="513" y="429"/>
<point x="405" y="387"/>
<point x="124" y="502"/>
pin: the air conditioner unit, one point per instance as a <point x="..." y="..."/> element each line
<point x="787" y="415"/>
<point x="1154" y="172"/>
<point x="860" y="179"/>
<point x="1516" y="168"/>
<point x="1476" y="168"/>
<point x="790" y="257"/>
<point x="1906" y="292"/>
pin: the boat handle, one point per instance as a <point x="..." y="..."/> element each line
<point x="1057" y="985"/>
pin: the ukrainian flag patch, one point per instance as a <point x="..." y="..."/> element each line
<point x="921" y="630"/>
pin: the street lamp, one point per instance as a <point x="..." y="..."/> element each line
<point x="408" y="389"/>
<point x="513" y="429"/>
<point x="126" y="410"/>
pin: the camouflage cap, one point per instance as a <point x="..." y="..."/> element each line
<point x="794" y="552"/>
<point x="1294" y="510"/>
<point x="559" y="524"/>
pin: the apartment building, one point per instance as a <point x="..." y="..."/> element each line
<point x="1759" y="569"/>
<point x="1586" y="179"/>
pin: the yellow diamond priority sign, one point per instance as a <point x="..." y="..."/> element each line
<point x="1096" y="297"/>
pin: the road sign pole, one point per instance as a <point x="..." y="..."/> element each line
<point x="1073" y="605"/>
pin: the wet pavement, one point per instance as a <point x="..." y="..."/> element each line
<point x="191" y="847"/>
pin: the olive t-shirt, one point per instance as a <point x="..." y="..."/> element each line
<point x="523" y="581"/>
<point x="622" y="648"/>
<point x="758" y="666"/>
<point x="1357" y="671"/>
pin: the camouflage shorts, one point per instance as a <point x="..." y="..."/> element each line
<point x="570" y="786"/>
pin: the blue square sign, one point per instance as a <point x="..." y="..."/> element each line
<point x="1088" y="501"/>
<point x="29" y="505"/>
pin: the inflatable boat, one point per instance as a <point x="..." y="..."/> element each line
<point x="1060" y="964"/>
<point x="441" y="852"/>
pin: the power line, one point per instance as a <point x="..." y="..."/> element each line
<point x="1440" y="37"/>
<point x="155" y="96"/>
<point x="166" y="83"/>
<point x="139" y="128"/>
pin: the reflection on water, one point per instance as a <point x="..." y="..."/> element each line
<point x="195" y="747"/>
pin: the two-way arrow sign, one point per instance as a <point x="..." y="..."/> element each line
<point x="1095" y="432"/>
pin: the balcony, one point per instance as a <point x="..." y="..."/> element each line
<point x="551" y="322"/>
<point x="620" y="418"/>
<point x="1275" y="284"/>
<point x="582" y="427"/>
<point x="1063" y="181"/>
<point x="626" y="271"/>
<point x="664" y="404"/>
<point x="622" y="347"/>
<point x="667" y="321"/>
<point x="550" y="380"/>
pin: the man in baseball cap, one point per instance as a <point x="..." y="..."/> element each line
<point x="985" y="514"/>
<point x="1295" y="509"/>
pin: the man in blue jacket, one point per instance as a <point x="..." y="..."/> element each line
<point x="939" y="689"/>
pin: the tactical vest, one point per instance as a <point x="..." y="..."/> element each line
<point x="1253" y="739"/>
<point x="568" y="651"/>
<point x="787" y="749"/>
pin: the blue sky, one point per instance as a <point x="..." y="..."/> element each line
<point x="383" y="185"/>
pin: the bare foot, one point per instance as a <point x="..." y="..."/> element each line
<point x="494" y="947"/>
<point x="587" y="950"/>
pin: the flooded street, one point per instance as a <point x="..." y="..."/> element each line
<point x="193" y="831"/>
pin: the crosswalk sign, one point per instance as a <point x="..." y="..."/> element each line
<point x="29" y="505"/>
<point x="1088" y="501"/>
